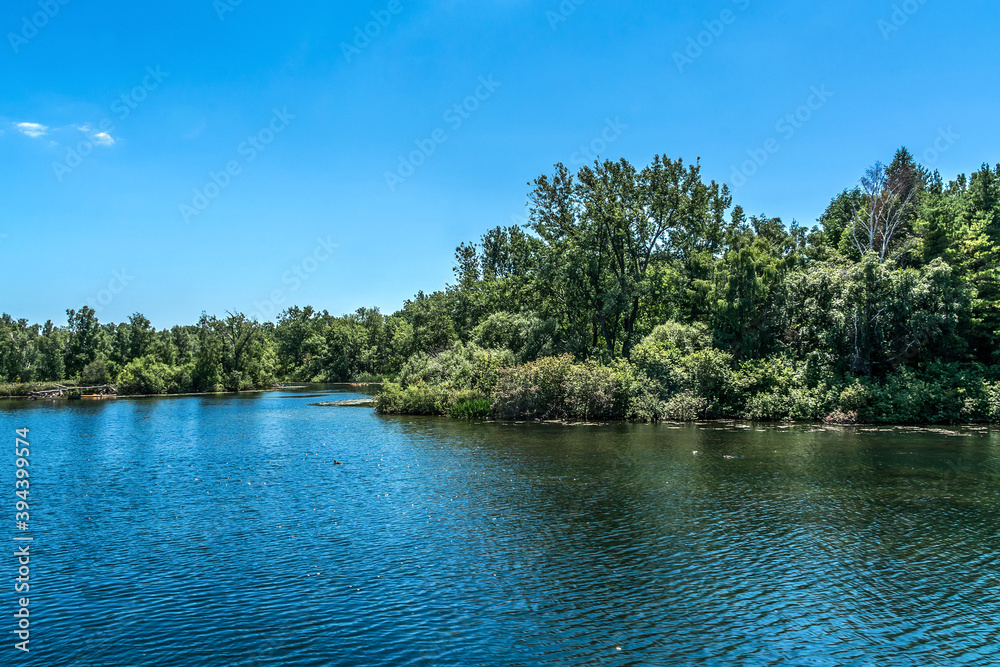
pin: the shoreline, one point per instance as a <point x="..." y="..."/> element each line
<point x="370" y="402"/>
<point x="738" y="424"/>
<point x="52" y="385"/>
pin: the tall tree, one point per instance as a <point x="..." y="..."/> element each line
<point x="85" y="339"/>
<point x="606" y="231"/>
<point x="888" y="202"/>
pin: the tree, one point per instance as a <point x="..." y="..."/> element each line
<point x="18" y="349"/>
<point x="142" y="336"/>
<point x="85" y="339"/>
<point x="893" y="314"/>
<point x="432" y="321"/>
<point x="888" y="199"/>
<point x="52" y="352"/>
<point x="246" y="358"/>
<point x="295" y="327"/>
<point x="606" y="231"/>
<point x="747" y="278"/>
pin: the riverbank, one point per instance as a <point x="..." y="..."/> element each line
<point x="684" y="386"/>
<point x="23" y="391"/>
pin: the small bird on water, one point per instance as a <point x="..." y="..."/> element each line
<point x="337" y="463"/>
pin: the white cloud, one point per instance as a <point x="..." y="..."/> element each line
<point x="32" y="129"/>
<point x="104" y="139"/>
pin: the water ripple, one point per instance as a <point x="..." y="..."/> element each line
<point x="219" y="531"/>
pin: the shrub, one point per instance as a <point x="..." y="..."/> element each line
<point x="472" y="408"/>
<point x="665" y="354"/>
<point x="99" y="371"/>
<point x="416" y="399"/>
<point x="854" y="398"/>
<point x="776" y="390"/>
<point x="790" y="403"/>
<point x="459" y="367"/>
<point x="22" y="389"/>
<point x="181" y="379"/>
<point x="534" y="390"/>
<point x="990" y="408"/>
<point x="708" y="373"/>
<point x="640" y="395"/>
<point x="662" y="365"/>
<point x="592" y="391"/>
<point x="685" y="406"/>
<point x="939" y="393"/>
<point x="685" y="338"/>
<point x="145" y="375"/>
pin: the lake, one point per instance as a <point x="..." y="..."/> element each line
<point x="222" y="531"/>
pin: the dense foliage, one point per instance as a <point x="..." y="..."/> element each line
<point x="644" y="294"/>
<point x="632" y="294"/>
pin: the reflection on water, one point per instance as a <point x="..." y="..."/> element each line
<point x="219" y="531"/>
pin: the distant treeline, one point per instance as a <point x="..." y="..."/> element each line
<point x="637" y="294"/>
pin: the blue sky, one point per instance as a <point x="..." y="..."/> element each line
<point x="200" y="155"/>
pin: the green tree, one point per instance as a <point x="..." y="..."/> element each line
<point x="606" y="231"/>
<point x="86" y="337"/>
<point x="52" y="346"/>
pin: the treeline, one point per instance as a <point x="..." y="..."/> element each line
<point x="645" y="294"/>
<point x="636" y="294"/>
<point x="228" y="354"/>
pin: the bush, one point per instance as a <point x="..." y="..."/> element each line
<point x="22" y="389"/>
<point x="673" y="353"/>
<point x="685" y="338"/>
<point x="145" y="375"/>
<point x="792" y="403"/>
<point x="685" y="407"/>
<point x="472" y="408"/>
<point x="99" y="371"/>
<point x="459" y="367"/>
<point x="940" y="394"/>
<point x="533" y="391"/>
<point x="416" y="399"/>
<point x="592" y="391"/>
<point x="854" y="398"/>
<point x="181" y="380"/>
<point x="776" y="390"/>
<point x="640" y="394"/>
<point x="990" y="407"/>
<point x="708" y="373"/>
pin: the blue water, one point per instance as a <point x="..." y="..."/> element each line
<point x="220" y="531"/>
